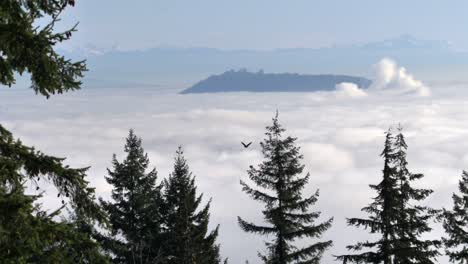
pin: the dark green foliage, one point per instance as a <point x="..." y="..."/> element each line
<point x="455" y="223"/>
<point x="396" y="215"/>
<point x="188" y="240"/>
<point x="286" y="211"/>
<point x="136" y="210"/>
<point x="28" y="234"/>
<point x="26" y="47"/>
<point x="19" y="163"/>
<point x="412" y="218"/>
<point x="382" y="216"/>
<point x="92" y="251"/>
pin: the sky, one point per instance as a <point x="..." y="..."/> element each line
<point x="341" y="135"/>
<point x="262" y="24"/>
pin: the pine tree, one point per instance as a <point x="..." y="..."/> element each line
<point x="412" y="218"/>
<point x="286" y="211"/>
<point x="136" y="211"/>
<point x="188" y="240"/>
<point x="382" y="215"/>
<point x="455" y="223"/>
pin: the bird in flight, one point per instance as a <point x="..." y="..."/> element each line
<point x="246" y="145"/>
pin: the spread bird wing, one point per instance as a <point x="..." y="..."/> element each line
<point x="246" y="145"/>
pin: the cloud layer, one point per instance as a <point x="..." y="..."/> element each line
<point x="349" y="90"/>
<point x="390" y="77"/>
<point x="341" y="141"/>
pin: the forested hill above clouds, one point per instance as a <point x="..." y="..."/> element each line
<point x="244" y="81"/>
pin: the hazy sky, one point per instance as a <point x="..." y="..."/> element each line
<point x="262" y="24"/>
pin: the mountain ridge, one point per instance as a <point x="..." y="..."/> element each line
<point x="178" y="68"/>
<point x="245" y="81"/>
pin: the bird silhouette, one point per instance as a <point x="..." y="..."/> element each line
<point x="246" y="145"/>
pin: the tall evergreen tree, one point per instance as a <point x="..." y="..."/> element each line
<point x="25" y="46"/>
<point x="382" y="215"/>
<point x="286" y="211"/>
<point x="455" y="223"/>
<point x="412" y="218"/>
<point x="29" y="234"/>
<point x="188" y="240"/>
<point x="136" y="212"/>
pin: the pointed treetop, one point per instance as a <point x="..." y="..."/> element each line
<point x="279" y="186"/>
<point x="180" y="154"/>
<point x="135" y="210"/>
<point x="275" y="129"/>
<point x="188" y="240"/>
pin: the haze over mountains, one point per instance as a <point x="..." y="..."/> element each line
<point x="179" y="68"/>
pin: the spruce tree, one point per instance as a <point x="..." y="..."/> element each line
<point x="412" y="218"/>
<point x="92" y="251"/>
<point x="280" y="186"/>
<point x="29" y="234"/>
<point x="27" y="41"/>
<point x="27" y="47"/>
<point x="455" y="223"/>
<point x="188" y="240"/>
<point x="136" y="209"/>
<point x="382" y="215"/>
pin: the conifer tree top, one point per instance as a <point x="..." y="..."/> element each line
<point x="135" y="211"/>
<point x="382" y="215"/>
<point x="189" y="240"/>
<point x="279" y="186"/>
<point x="395" y="214"/>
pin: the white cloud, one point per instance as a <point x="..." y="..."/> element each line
<point x="326" y="157"/>
<point x="390" y="77"/>
<point x="349" y="90"/>
<point x="341" y="141"/>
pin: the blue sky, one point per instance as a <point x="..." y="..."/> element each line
<point x="262" y="24"/>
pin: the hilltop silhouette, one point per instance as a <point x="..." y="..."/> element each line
<point x="244" y="81"/>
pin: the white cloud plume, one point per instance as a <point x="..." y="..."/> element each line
<point x="392" y="78"/>
<point x="389" y="78"/>
<point x="349" y="90"/>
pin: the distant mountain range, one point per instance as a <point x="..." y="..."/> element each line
<point x="179" y="68"/>
<point x="244" y="81"/>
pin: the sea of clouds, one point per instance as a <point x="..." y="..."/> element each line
<point x="341" y="134"/>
